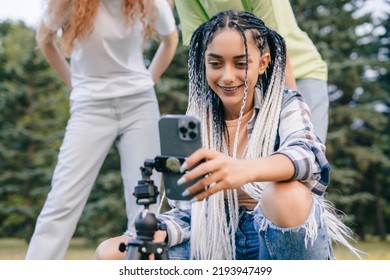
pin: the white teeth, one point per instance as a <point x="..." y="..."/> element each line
<point x="229" y="88"/>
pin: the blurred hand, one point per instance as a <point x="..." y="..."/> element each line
<point x="159" y="236"/>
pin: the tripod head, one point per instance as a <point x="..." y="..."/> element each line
<point x="146" y="224"/>
<point x="146" y="192"/>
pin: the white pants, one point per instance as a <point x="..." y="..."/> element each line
<point x="131" y="122"/>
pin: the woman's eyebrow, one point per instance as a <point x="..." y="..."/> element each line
<point x="241" y="56"/>
<point x="214" y="55"/>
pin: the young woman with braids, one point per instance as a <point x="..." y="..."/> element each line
<point x="112" y="100"/>
<point x="266" y="171"/>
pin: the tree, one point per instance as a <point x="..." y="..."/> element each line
<point x="33" y="109"/>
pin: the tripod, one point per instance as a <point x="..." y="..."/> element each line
<point x="141" y="247"/>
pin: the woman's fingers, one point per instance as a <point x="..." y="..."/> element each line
<point x="214" y="188"/>
<point x="197" y="156"/>
<point x="218" y="169"/>
<point x="201" y="170"/>
<point x="212" y="166"/>
<point x="201" y="185"/>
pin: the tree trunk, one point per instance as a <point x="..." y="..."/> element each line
<point x="378" y="207"/>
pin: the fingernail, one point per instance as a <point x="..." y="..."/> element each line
<point x="183" y="167"/>
<point x="193" y="200"/>
<point x="185" y="193"/>
<point x="181" y="181"/>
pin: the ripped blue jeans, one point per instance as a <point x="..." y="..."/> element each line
<point x="258" y="239"/>
<point x="309" y="241"/>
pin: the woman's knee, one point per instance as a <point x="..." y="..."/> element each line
<point x="109" y="249"/>
<point x="286" y="204"/>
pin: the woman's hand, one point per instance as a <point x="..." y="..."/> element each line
<point x="224" y="172"/>
<point x="160" y="236"/>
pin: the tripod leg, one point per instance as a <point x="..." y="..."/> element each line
<point x="163" y="256"/>
<point x="133" y="253"/>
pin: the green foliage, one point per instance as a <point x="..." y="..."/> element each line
<point x="33" y="110"/>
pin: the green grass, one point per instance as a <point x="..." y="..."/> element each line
<point x="80" y="249"/>
<point x="374" y="250"/>
<point x="15" y="249"/>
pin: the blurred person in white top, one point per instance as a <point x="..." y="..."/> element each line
<point x="112" y="101"/>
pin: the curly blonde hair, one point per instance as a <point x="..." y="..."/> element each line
<point x="79" y="16"/>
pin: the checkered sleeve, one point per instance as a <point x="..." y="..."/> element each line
<point x="298" y="142"/>
<point x="178" y="221"/>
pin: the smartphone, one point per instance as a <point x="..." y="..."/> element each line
<point x="180" y="136"/>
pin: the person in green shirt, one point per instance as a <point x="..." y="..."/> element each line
<point x="308" y="68"/>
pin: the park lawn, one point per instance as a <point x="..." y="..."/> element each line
<point x="15" y="249"/>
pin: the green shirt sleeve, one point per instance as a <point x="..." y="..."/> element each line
<point x="191" y="15"/>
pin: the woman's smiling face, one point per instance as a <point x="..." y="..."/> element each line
<point x="225" y="69"/>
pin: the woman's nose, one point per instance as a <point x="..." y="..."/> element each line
<point x="228" y="75"/>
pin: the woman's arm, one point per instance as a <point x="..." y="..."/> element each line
<point x="178" y="222"/>
<point x="164" y="55"/>
<point x="225" y="172"/>
<point x="300" y="157"/>
<point x="52" y="53"/>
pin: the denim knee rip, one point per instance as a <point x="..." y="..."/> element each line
<point x="313" y="222"/>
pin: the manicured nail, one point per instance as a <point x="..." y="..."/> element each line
<point x="183" y="167"/>
<point x="185" y="193"/>
<point x="193" y="200"/>
<point x="181" y="181"/>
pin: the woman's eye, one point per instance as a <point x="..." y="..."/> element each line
<point x="214" y="64"/>
<point x="241" y="64"/>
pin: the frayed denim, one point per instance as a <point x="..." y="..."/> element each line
<point x="257" y="238"/>
<point x="309" y="241"/>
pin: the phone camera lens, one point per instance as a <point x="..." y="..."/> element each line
<point x="183" y="129"/>
<point x="192" y="135"/>
<point x="191" y="125"/>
